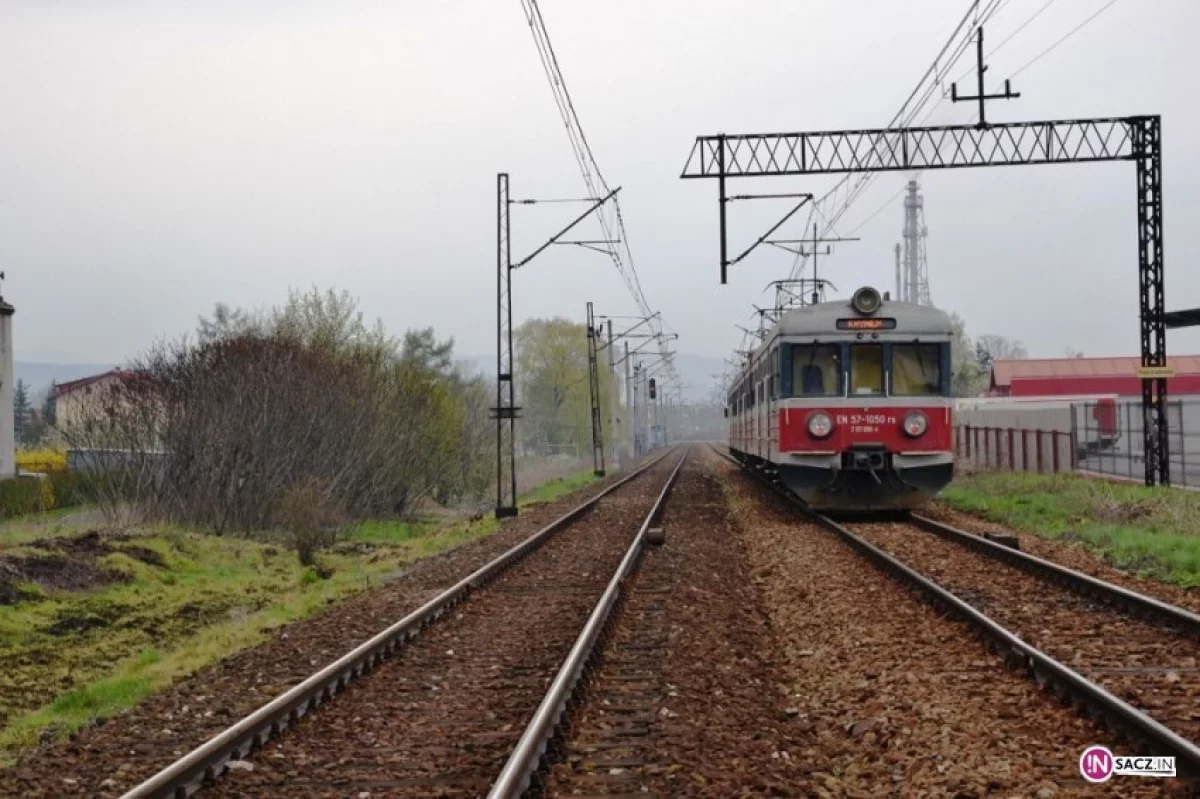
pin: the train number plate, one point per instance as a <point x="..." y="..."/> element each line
<point x="864" y="422"/>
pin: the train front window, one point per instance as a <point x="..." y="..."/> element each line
<point x="816" y="370"/>
<point x="916" y="370"/>
<point x="866" y="369"/>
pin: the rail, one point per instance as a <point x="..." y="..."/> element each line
<point x="1075" y="580"/>
<point x="1016" y="652"/>
<point x="186" y="775"/>
<point x="517" y="775"/>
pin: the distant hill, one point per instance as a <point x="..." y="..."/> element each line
<point x="39" y="376"/>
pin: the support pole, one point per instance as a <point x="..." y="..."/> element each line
<point x="594" y="393"/>
<point x="630" y="412"/>
<point x="614" y="405"/>
<point x="723" y="201"/>
<point x="1147" y="148"/>
<point x="506" y="407"/>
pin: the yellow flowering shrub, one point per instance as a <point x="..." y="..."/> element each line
<point x="44" y="461"/>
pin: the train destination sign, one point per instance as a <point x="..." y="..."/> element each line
<point x="1155" y="371"/>
<point x="866" y="324"/>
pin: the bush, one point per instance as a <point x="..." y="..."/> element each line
<point x="23" y="495"/>
<point x="43" y="461"/>
<point x="310" y="517"/>
<point x="70" y="488"/>
<point x="306" y="405"/>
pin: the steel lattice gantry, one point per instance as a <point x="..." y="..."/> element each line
<point x="1136" y="138"/>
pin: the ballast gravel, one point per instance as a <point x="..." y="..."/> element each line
<point x="1070" y="553"/>
<point x="890" y="698"/>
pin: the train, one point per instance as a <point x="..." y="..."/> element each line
<point x="848" y="404"/>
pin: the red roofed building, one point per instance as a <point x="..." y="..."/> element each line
<point x="1054" y="377"/>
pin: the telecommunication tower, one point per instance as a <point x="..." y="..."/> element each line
<point x="914" y="267"/>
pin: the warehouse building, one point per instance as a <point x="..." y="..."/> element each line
<point x="1075" y="377"/>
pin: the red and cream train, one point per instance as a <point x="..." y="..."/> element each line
<point x="849" y="404"/>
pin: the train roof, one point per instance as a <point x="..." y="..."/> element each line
<point x="822" y="318"/>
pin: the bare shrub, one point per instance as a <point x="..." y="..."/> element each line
<point x="237" y="431"/>
<point x="309" y="515"/>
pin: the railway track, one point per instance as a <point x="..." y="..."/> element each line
<point x="674" y="699"/>
<point x="440" y="714"/>
<point x="631" y="672"/>
<point x="1137" y="648"/>
<point x="1123" y="659"/>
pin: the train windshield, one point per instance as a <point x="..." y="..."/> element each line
<point x="866" y="369"/>
<point x="817" y="370"/>
<point x="916" y="370"/>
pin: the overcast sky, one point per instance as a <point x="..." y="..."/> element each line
<point x="159" y="157"/>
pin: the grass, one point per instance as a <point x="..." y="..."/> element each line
<point x="184" y="601"/>
<point x="1148" y="531"/>
<point x="553" y="489"/>
<point x="31" y="527"/>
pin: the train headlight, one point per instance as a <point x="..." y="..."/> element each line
<point x="915" y="424"/>
<point x="820" y="425"/>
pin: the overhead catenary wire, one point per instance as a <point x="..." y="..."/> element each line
<point x="612" y="221"/>
<point x="852" y="186"/>
<point x="1068" y="35"/>
<point x="986" y="15"/>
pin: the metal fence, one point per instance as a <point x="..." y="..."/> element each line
<point x="1015" y="449"/>
<point x="1111" y="441"/>
<point x="1097" y="438"/>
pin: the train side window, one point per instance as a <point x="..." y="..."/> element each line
<point x="773" y="379"/>
<point x="817" y="370"/>
<point x="866" y="369"/>
<point x="916" y="370"/>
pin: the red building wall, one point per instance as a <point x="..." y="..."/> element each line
<point x="1130" y="386"/>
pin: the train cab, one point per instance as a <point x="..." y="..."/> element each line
<point x="849" y="404"/>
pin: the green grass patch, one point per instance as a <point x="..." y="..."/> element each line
<point x="552" y="490"/>
<point x="33" y="526"/>
<point x="1148" y="531"/>
<point x="388" y="531"/>
<point x="64" y="661"/>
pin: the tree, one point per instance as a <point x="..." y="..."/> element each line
<point x="552" y="375"/>
<point x="35" y="430"/>
<point x="50" y="407"/>
<point x="967" y="377"/>
<point x="21" y="409"/>
<point x="421" y="349"/>
<point x="1071" y="352"/>
<point x="990" y="348"/>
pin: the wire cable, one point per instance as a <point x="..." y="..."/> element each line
<point x="1068" y="35"/>
<point x="612" y="222"/>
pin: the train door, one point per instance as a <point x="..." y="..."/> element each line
<point x="764" y="447"/>
<point x="772" y="404"/>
